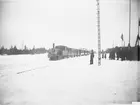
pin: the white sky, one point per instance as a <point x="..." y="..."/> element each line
<point x="67" y="22"/>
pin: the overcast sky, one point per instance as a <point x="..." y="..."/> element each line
<point x="66" y="22"/>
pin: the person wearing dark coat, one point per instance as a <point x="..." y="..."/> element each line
<point x="91" y="57"/>
<point x="105" y="55"/>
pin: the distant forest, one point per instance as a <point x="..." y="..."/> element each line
<point x="15" y="51"/>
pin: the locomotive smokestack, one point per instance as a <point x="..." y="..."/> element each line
<point x="53" y="45"/>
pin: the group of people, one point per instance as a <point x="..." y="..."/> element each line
<point x="124" y="53"/>
<point x="120" y="53"/>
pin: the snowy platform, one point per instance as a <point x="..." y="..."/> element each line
<point x="34" y="80"/>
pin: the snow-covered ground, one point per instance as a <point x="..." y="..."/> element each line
<point x="34" y="80"/>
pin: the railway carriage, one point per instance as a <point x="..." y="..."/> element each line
<point x="61" y="52"/>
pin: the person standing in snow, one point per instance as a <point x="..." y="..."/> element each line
<point x="105" y="55"/>
<point x="91" y="57"/>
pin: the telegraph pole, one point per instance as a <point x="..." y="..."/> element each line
<point x="138" y="25"/>
<point x="129" y="21"/>
<point x="98" y="28"/>
<point x="138" y="31"/>
<point x="138" y="37"/>
<point x="22" y="45"/>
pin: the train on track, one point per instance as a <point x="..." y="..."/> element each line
<point x="62" y="52"/>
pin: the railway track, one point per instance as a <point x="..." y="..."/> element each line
<point x="32" y="69"/>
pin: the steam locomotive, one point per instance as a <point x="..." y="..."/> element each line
<point x="61" y="52"/>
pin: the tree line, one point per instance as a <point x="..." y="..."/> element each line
<point x="15" y="51"/>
